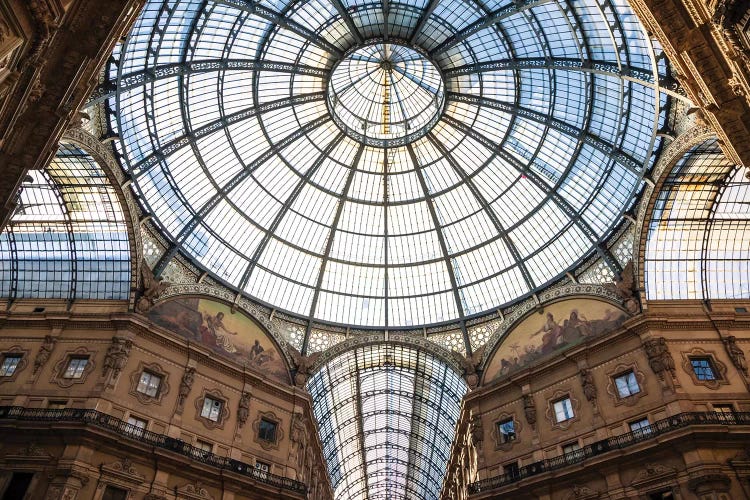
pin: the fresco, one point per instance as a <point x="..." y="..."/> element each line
<point x="232" y="334"/>
<point x="561" y="325"/>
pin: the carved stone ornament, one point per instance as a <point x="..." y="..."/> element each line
<point x="186" y="383"/>
<point x="297" y="449"/>
<point x="625" y="288"/>
<point x="582" y="493"/>
<point x="135" y="378"/>
<point x="735" y="354"/>
<point x="123" y="471"/>
<point x="60" y="367"/>
<point x="709" y="482"/>
<point x="587" y="383"/>
<point x="214" y="394"/>
<point x="652" y="473"/>
<point x="116" y="357"/>
<point x="193" y="491"/>
<point x="30" y="452"/>
<point x="22" y="363"/>
<point x="529" y="410"/>
<point x="153" y="288"/>
<point x="45" y="351"/>
<point x="659" y="358"/>
<point x="243" y="409"/>
<point x="303" y="365"/>
<point x="264" y="443"/>
<point x="470" y="365"/>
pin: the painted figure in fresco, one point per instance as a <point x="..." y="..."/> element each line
<point x="256" y="350"/>
<point x="215" y="326"/>
<point x="552" y="333"/>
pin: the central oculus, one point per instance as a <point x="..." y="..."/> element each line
<point x="385" y="95"/>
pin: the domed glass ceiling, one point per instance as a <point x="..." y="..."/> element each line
<point x="386" y="164"/>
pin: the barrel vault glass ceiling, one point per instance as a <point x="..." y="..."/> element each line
<point x="386" y="164"/>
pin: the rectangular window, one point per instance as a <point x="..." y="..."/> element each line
<point x="572" y="451"/>
<point x="10" y="363"/>
<point x="563" y="410"/>
<point x="506" y="431"/>
<point x="204" y="445"/>
<point x="627" y="384"/>
<point x="211" y="409"/>
<point x="511" y="469"/>
<point x="703" y="368"/>
<point x="640" y="427"/>
<point x="149" y="384"/>
<point x="76" y="365"/>
<point x="114" y="493"/>
<point x="136" y="426"/>
<point x="267" y="430"/>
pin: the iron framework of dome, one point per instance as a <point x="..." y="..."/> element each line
<point x="285" y="149"/>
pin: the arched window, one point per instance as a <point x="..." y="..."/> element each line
<point x="67" y="238"/>
<point x="698" y="243"/>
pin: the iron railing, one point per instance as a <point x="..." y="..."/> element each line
<point x="616" y="442"/>
<point x="103" y="421"/>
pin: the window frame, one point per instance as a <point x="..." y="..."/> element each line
<point x="718" y="369"/>
<point x="710" y="366"/>
<point x="640" y="427"/>
<point x="212" y="408"/>
<point x="505" y="437"/>
<point x="222" y="411"/>
<point x="631" y="377"/>
<point x="15" y="368"/>
<point x="148" y="385"/>
<point x="133" y="428"/>
<point x="80" y="371"/>
<point x="555" y="412"/>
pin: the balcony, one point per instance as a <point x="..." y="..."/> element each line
<point x="654" y="430"/>
<point x="109" y="423"/>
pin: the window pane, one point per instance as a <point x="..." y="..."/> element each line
<point x="563" y="410"/>
<point x="10" y="363"/>
<point x="703" y="368"/>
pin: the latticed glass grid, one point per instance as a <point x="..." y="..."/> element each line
<point x="547" y="128"/>
<point x="387" y="415"/>
<point x="67" y="238"/>
<point x="698" y="244"/>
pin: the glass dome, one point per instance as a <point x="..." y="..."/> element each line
<point x="386" y="164"/>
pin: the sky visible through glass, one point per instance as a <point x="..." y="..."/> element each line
<point x="499" y="152"/>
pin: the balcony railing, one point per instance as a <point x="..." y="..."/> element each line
<point x="103" y="421"/>
<point x="616" y="442"/>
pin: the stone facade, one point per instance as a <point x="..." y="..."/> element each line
<point x="79" y="434"/>
<point x="663" y="430"/>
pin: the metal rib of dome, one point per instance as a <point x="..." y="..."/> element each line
<point x="242" y="140"/>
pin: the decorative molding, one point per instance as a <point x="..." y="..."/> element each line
<point x="721" y="369"/>
<point x="271" y="417"/>
<point x="663" y="167"/>
<point x="59" y="370"/>
<point x="186" y="383"/>
<point x="123" y="471"/>
<point x="135" y="378"/>
<point x="223" y="415"/>
<point x="22" y="363"/>
<point x="495" y="433"/>
<point x="612" y="391"/>
<point x="193" y="491"/>
<point x="652" y="473"/>
<point x="582" y="493"/>
<point x="45" y="351"/>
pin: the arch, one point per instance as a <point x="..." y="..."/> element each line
<point x="69" y="237"/>
<point x="106" y="161"/>
<point x="671" y="155"/>
<point x="382" y="404"/>
<point x="213" y="322"/>
<point x="558" y="325"/>
<point x="698" y="239"/>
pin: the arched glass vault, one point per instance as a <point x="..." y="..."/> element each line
<point x="494" y="147"/>
<point x="387" y="415"/>
<point x="67" y="238"/>
<point x="698" y="244"/>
